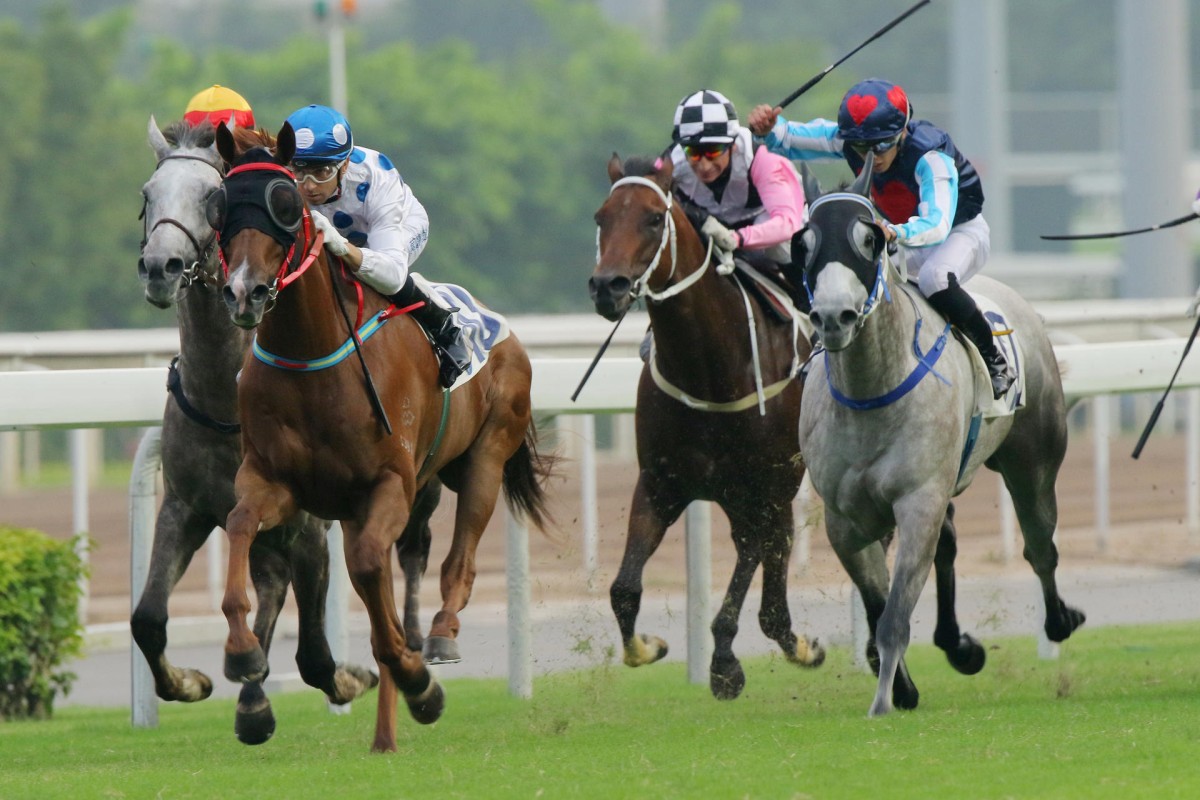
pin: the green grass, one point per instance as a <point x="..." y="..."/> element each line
<point x="1118" y="715"/>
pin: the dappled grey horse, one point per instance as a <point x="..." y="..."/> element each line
<point x="201" y="447"/>
<point x="890" y="431"/>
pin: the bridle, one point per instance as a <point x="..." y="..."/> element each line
<point x="641" y="286"/>
<point x="193" y="272"/>
<point x="881" y="286"/>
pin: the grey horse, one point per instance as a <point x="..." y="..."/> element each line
<point x="201" y="447"/>
<point x="890" y="432"/>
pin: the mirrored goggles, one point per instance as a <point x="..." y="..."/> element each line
<point x="709" y="152"/>
<point x="877" y="147"/>
<point x="318" y="171"/>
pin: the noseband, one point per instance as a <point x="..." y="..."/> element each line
<point x="193" y="271"/>
<point x="641" y="286"/>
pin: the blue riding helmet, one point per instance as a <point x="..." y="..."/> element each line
<point x="873" y="110"/>
<point x="322" y="134"/>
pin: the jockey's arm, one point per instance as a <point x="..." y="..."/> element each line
<point x="804" y="141"/>
<point x="782" y="197"/>
<point x="397" y="233"/>
<point x="938" y="180"/>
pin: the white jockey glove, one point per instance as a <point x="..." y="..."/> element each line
<point x="1194" y="307"/>
<point x="721" y="236"/>
<point x="1196" y="204"/>
<point x="334" y="241"/>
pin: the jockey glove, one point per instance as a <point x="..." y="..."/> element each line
<point x="1196" y="204"/>
<point x="721" y="236"/>
<point x="334" y="241"/>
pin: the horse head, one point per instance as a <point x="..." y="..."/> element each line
<point x="636" y="235"/>
<point x="178" y="245"/>
<point x="258" y="214"/>
<point x="842" y="249"/>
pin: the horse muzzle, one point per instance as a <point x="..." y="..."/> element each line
<point x="247" y="304"/>
<point x="611" y="295"/>
<point x="161" y="279"/>
<point x="837" y="328"/>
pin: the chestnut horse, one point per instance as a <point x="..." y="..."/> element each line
<point x="313" y="441"/>
<point x="717" y="410"/>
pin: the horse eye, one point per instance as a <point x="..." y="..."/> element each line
<point x="655" y="220"/>
<point x="214" y="209"/>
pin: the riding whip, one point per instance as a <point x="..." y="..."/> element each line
<point x="814" y="80"/>
<point x="1137" y="451"/>
<point x="1114" y="234"/>
<point x="599" y="353"/>
<point x="372" y="393"/>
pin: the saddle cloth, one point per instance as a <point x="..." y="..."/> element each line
<point x="481" y="327"/>
<point x="985" y="404"/>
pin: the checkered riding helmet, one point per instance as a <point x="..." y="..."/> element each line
<point x="873" y="110"/>
<point x="703" y="117"/>
<point x="322" y="134"/>
<point x="218" y="104"/>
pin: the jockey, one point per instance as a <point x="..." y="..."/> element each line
<point x="372" y="220"/>
<point x="218" y="104"/>
<point x="929" y="193"/>
<point x="748" y="199"/>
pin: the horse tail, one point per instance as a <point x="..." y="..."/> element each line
<point x="525" y="476"/>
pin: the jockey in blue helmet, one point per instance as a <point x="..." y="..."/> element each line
<point x="927" y="190"/>
<point x="372" y="220"/>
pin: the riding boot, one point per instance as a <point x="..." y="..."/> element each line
<point x="452" y="353"/>
<point x="960" y="310"/>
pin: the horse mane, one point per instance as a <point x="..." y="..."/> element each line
<point x="181" y="134"/>
<point x="246" y="139"/>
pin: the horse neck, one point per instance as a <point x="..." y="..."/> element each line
<point x="881" y="355"/>
<point x="701" y="335"/>
<point x="210" y="349"/>
<point x="306" y="323"/>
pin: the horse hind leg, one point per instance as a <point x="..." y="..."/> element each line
<point x="963" y="651"/>
<point x="652" y="511"/>
<point x="254" y="721"/>
<point x="726" y="678"/>
<point x="178" y="534"/>
<point x="1036" y="506"/>
<point x="774" y="616"/>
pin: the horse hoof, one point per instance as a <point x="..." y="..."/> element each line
<point x="726" y="679"/>
<point x="248" y="667"/>
<point x="643" y="649"/>
<point x="969" y="657"/>
<point x="350" y="682"/>
<point x="427" y="707"/>
<point x="255" y="725"/>
<point x="906" y="698"/>
<point x="1064" y="623"/>
<point x="189" y="686"/>
<point x="441" y="650"/>
<point x="808" y="654"/>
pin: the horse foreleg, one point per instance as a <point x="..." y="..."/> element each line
<point x="917" y="535"/>
<point x="368" y="559"/>
<point x="963" y="651"/>
<point x="726" y="679"/>
<point x="652" y="511"/>
<point x="260" y="504"/>
<point x="178" y="534"/>
<point x="254" y="721"/>
<point x="412" y="553"/>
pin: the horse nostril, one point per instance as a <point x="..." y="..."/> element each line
<point x="260" y="294"/>
<point x="228" y="295"/>
<point x="173" y="267"/>
<point x="620" y="286"/>
<point x="815" y="318"/>
<point x="143" y="271"/>
<point x="848" y="317"/>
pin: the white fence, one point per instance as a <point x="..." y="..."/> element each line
<point x="136" y="396"/>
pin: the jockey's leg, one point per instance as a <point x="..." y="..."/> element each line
<point x="959" y="309"/>
<point x="438" y="321"/>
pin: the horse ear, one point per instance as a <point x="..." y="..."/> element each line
<point x="285" y="144"/>
<point x="616" y="170"/>
<point x="225" y="144"/>
<point x="664" y="170"/>
<point x="862" y="184"/>
<point x="812" y="187"/>
<point x="158" y="142"/>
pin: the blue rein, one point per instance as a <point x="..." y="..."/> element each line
<point x="925" y="363"/>
<point x="368" y="329"/>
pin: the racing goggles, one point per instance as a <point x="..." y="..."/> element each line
<point x="878" y="147"/>
<point x="709" y="152"/>
<point x="316" y="171"/>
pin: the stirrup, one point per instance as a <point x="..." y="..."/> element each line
<point x="1001" y="374"/>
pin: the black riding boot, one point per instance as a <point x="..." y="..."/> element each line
<point x="960" y="310"/>
<point x="453" y="357"/>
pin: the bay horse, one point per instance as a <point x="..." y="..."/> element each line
<point x="201" y="450"/>
<point x="312" y="440"/>
<point x="716" y="416"/>
<point x="893" y="425"/>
